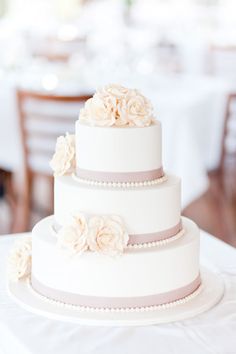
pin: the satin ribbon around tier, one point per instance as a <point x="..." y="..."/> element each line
<point x="155" y="236"/>
<point x="120" y="177"/>
<point x="115" y="302"/>
<point x="145" y="238"/>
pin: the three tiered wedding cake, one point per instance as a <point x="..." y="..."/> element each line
<point x="116" y="241"/>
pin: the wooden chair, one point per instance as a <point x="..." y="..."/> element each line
<point x="215" y="211"/>
<point x="226" y="173"/>
<point x="228" y="145"/>
<point x="223" y="179"/>
<point x="56" y="50"/>
<point x="8" y="192"/>
<point x="42" y="119"/>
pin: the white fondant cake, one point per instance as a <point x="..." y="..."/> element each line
<point x="117" y="242"/>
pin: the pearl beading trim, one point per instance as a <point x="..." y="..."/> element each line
<point x="132" y="309"/>
<point x="157" y="243"/>
<point x="120" y="184"/>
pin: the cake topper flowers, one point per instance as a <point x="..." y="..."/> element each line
<point x="115" y="105"/>
<point x="63" y="160"/>
<point x="19" y="261"/>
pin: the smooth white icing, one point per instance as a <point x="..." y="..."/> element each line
<point x="143" y="210"/>
<point x="109" y="149"/>
<point x="135" y="273"/>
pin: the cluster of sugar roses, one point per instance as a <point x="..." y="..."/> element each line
<point x="101" y="234"/>
<point x="115" y="105"/>
<point x="19" y="261"/>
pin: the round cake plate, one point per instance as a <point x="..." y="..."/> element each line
<point x="210" y="294"/>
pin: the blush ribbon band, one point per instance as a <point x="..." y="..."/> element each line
<point x="122" y="177"/>
<point x="155" y="236"/>
<point x="115" y="302"/>
<point x="145" y="238"/>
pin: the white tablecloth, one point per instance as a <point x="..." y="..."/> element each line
<point x="210" y="333"/>
<point x="191" y="111"/>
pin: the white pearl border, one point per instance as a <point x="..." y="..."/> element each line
<point x="133" y="309"/>
<point x="157" y="243"/>
<point x="120" y="184"/>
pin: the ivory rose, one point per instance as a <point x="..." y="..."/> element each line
<point x="63" y="160"/>
<point x="107" y="235"/>
<point x="98" y="111"/>
<point x="115" y="105"/>
<point x="19" y="261"/>
<point x="137" y="109"/>
<point x="113" y="90"/>
<point x="73" y="235"/>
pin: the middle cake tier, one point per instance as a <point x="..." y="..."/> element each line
<point x="147" y="211"/>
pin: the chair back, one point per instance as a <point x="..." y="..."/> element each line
<point x="42" y="119"/>
<point x="55" y="49"/>
<point x="228" y="148"/>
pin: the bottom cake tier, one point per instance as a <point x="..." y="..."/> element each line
<point x="138" y="278"/>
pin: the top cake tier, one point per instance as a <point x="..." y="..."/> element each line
<point x="117" y="138"/>
<point x="117" y="141"/>
<point x="118" y="154"/>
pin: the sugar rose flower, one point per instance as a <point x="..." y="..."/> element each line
<point x="112" y="95"/>
<point x="98" y="111"/>
<point x="137" y="109"/>
<point x="19" y="261"/>
<point x="73" y="235"/>
<point x="63" y="161"/>
<point x="107" y="235"/>
<point x="113" y="90"/>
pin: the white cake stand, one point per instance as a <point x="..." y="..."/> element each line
<point x="212" y="290"/>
